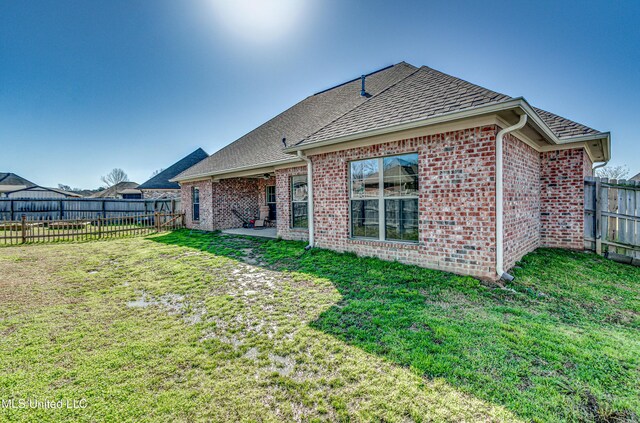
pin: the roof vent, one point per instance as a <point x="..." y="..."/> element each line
<point x="363" y="92"/>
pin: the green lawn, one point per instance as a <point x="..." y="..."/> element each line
<point x="190" y="326"/>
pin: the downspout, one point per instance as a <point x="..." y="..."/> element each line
<point x="603" y="164"/>
<point x="499" y="198"/>
<point x="309" y="197"/>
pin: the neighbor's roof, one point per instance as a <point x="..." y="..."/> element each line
<point x="264" y="144"/>
<point x="398" y="94"/>
<point x="37" y="188"/>
<point x="113" y="191"/>
<point x="8" y="178"/>
<point x="162" y="179"/>
<point x="635" y="178"/>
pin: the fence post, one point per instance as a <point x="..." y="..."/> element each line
<point x="598" y="214"/>
<point x="156" y="220"/>
<point x="24" y="228"/>
<point x="99" y="228"/>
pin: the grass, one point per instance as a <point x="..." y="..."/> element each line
<point x="192" y="326"/>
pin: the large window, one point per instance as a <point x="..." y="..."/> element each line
<point x="195" y="203"/>
<point x="299" y="202"/>
<point x="384" y="198"/>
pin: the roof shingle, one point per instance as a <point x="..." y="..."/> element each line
<point x="162" y="179"/>
<point x="398" y="94"/>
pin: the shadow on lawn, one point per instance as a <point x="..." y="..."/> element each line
<point x="516" y="349"/>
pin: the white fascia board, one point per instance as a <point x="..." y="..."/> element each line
<point x="208" y="175"/>
<point x="475" y="111"/>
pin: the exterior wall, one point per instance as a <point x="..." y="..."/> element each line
<point x="562" y="198"/>
<point x="160" y="193"/>
<point x="521" y="200"/>
<point x="206" y="212"/>
<point x="245" y="195"/>
<point x="588" y="164"/>
<point x="283" y="204"/>
<point x="456" y="202"/>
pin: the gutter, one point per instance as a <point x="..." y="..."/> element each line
<point x="500" y="195"/>
<point x="518" y="105"/>
<point x="309" y="198"/>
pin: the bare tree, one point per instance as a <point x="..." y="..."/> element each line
<point x="155" y="172"/>
<point x="613" y="172"/>
<point x="64" y="187"/>
<point x="114" y="177"/>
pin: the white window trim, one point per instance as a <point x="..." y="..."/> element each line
<point x="381" y="203"/>
<point x="193" y="203"/>
<point x="291" y="202"/>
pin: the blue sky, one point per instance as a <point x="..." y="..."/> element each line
<point x="138" y="84"/>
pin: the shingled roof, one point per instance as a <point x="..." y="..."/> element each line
<point x="264" y="144"/>
<point x="8" y="178"/>
<point x="162" y="179"/>
<point x="398" y="94"/>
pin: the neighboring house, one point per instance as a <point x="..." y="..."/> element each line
<point x="12" y="182"/>
<point x="160" y="186"/>
<point x="123" y="190"/>
<point x="415" y="166"/>
<point x="14" y="186"/>
<point x="40" y="192"/>
<point x="635" y="178"/>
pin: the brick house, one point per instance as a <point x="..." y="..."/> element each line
<point x="407" y="164"/>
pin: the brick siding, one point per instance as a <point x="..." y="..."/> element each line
<point x="218" y="199"/>
<point x="283" y="204"/>
<point x="206" y="213"/>
<point x="543" y="201"/>
<point x="160" y="193"/>
<point x="521" y="200"/>
<point x="456" y="202"/>
<point x="562" y="198"/>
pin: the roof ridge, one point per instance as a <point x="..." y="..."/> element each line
<point x="366" y="74"/>
<point x="298" y="103"/>
<point x="360" y="104"/>
<point x="460" y="80"/>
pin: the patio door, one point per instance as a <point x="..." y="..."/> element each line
<point x="271" y="202"/>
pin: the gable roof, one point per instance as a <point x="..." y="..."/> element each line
<point x="397" y="95"/>
<point x="424" y="94"/>
<point x="162" y="179"/>
<point x="635" y="178"/>
<point x="264" y="144"/>
<point x="8" y="178"/>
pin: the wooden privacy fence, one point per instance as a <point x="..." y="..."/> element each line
<point x="27" y="231"/>
<point x="81" y="208"/>
<point x="612" y="218"/>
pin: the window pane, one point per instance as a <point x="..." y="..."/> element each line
<point x="299" y="215"/>
<point x="196" y="212"/>
<point x="401" y="175"/>
<point x="271" y="194"/>
<point x="196" y="196"/>
<point x="364" y="218"/>
<point x="401" y="220"/>
<point x="299" y="188"/>
<point x="364" y="178"/>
